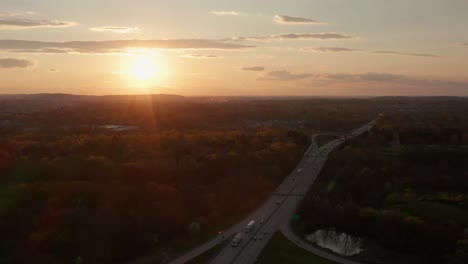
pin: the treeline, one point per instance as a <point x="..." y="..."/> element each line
<point x="431" y="128"/>
<point x="111" y="197"/>
<point x="161" y="115"/>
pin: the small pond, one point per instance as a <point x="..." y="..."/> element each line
<point x="340" y="243"/>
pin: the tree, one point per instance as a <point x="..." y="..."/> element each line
<point x="462" y="248"/>
<point x="194" y="228"/>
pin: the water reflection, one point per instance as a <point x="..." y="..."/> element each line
<point x="119" y="128"/>
<point x="340" y="243"/>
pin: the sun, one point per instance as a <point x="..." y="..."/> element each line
<point x="143" y="68"/>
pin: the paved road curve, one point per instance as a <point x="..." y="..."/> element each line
<point x="275" y="211"/>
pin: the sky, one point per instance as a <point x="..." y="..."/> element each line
<point x="235" y="48"/>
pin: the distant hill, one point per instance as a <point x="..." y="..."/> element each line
<point x="58" y="96"/>
<point x="39" y="102"/>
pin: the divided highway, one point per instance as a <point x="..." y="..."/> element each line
<point x="274" y="213"/>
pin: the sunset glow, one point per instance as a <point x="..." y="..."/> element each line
<point x="143" y="68"/>
<point x="264" y="47"/>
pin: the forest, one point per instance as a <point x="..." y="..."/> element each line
<point x="112" y="179"/>
<point x="403" y="186"/>
<point x="109" y="198"/>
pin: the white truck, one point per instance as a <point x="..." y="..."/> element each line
<point x="237" y="239"/>
<point x="250" y="226"/>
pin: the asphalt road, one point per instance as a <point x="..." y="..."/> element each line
<point x="275" y="211"/>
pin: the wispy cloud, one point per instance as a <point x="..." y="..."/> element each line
<point x="30" y="23"/>
<point x="282" y="19"/>
<point x="201" y="56"/>
<point x="254" y="68"/>
<point x="46" y="51"/>
<point x="15" y="14"/>
<point x="115" y="29"/>
<point x="25" y="20"/>
<point x="367" y="78"/>
<point x="397" y="79"/>
<point x="284" y="76"/>
<point x="10" y="63"/>
<point x="328" y="49"/>
<point x="296" y="36"/>
<point x="385" y="52"/>
<point x="404" y="53"/>
<point x="112" y="46"/>
<point x="265" y="56"/>
<point x="226" y="13"/>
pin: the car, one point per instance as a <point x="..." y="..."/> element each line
<point x="262" y="221"/>
<point x="255" y="238"/>
<point x="237" y="239"/>
<point x="278" y="202"/>
<point x="250" y="226"/>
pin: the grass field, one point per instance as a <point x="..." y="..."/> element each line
<point x="280" y="250"/>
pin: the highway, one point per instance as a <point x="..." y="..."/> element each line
<point x="275" y="212"/>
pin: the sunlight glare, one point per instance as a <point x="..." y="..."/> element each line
<point x="143" y="68"/>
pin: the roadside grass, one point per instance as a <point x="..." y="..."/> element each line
<point x="173" y="249"/>
<point x="280" y="250"/>
<point x="176" y="247"/>
<point x="180" y="246"/>
<point x="208" y="255"/>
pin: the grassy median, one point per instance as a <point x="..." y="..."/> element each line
<point x="280" y="250"/>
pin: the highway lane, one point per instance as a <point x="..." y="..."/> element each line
<point x="311" y="165"/>
<point x="229" y="253"/>
<point x="289" y="194"/>
<point x="299" y="241"/>
<point x="296" y="186"/>
<point x="266" y="209"/>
